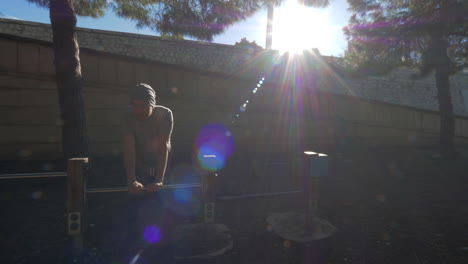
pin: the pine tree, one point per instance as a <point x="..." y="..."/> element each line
<point x="428" y="35"/>
<point x="68" y="70"/>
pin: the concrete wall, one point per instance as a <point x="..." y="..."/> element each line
<point x="30" y="122"/>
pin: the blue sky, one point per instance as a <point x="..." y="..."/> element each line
<point x="327" y="25"/>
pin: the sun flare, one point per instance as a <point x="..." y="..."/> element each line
<point x="297" y="28"/>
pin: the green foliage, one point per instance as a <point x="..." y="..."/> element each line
<point x="171" y="37"/>
<point x="135" y="10"/>
<point x="91" y="8"/>
<point x="201" y="19"/>
<point x="384" y="34"/>
<point x="244" y="43"/>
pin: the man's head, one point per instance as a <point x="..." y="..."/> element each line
<point x="143" y="99"/>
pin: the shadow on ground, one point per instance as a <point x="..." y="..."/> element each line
<point x="390" y="206"/>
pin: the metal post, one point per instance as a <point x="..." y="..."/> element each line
<point x="76" y="171"/>
<point x="309" y="187"/>
<point x="208" y="189"/>
<point x="316" y="166"/>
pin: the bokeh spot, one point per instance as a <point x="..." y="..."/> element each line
<point x="152" y="234"/>
<point x="214" y="145"/>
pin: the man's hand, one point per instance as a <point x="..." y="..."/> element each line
<point x="135" y="187"/>
<point x="154" y="186"/>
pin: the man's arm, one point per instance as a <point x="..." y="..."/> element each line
<point x="129" y="157"/>
<point x="129" y="161"/>
<point x="164" y="145"/>
<point x="162" y="154"/>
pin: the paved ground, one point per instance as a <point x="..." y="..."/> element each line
<point x="389" y="205"/>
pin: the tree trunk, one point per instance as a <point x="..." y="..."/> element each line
<point x="447" y="119"/>
<point x="68" y="76"/>
<point x="269" y="33"/>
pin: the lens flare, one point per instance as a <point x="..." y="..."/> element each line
<point x="186" y="206"/>
<point x="214" y="145"/>
<point x="183" y="173"/>
<point x="183" y="201"/>
<point x="182" y="195"/>
<point x="152" y="234"/>
<point x="136" y="257"/>
<point x="210" y="159"/>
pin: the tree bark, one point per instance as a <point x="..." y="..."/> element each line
<point x="447" y="119"/>
<point x="269" y="33"/>
<point x="68" y="77"/>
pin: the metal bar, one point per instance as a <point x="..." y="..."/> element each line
<point x="279" y="163"/>
<point x="32" y="175"/>
<point x="226" y="198"/>
<point x="125" y="189"/>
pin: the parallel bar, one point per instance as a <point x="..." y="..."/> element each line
<point x="125" y="189"/>
<point x="226" y="198"/>
<point x="194" y="185"/>
<point x="32" y="175"/>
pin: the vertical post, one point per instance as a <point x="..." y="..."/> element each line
<point x="316" y="166"/>
<point x="76" y="177"/>
<point x="209" y="196"/>
<point x="309" y="187"/>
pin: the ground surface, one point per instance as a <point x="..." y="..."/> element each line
<point x="389" y="206"/>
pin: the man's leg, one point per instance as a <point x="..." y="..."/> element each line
<point x="157" y="212"/>
<point x="124" y="229"/>
<point x="156" y="226"/>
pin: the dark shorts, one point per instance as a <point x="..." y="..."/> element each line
<point x="145" y="175"/>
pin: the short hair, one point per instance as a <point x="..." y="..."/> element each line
<point x="145" y="92"/>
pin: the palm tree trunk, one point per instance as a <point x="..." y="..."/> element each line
<point x="68" y="77"/>
<point x="447" y="119"/>
<point x="269" y="33"/>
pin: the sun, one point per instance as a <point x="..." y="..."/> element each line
<point x="297" y="28"/>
